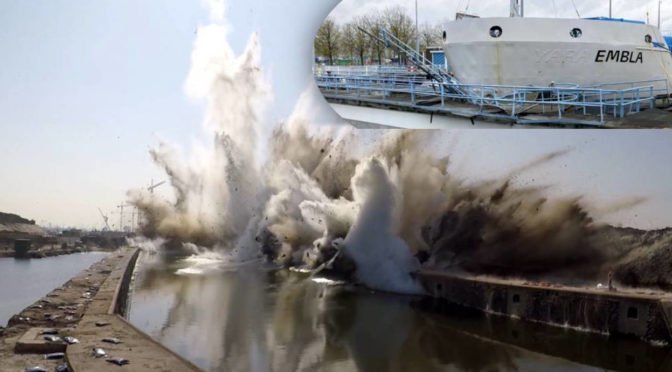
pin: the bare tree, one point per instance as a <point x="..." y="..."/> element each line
<point x="351" y="39"/>
<point x="430" y="36"/>
<point x="348" y="35"/>
<point x="360" y="40"/>
<point x="400" y="25"/>
<point x="327" y="40"/>
<point x="374" y="24"/>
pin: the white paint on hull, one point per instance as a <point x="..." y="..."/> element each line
<point x="538" y="51"/>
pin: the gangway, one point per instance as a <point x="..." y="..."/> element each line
<point x="417" y="59"/>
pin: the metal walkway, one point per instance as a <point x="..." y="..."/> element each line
<point x="432" y="89"/>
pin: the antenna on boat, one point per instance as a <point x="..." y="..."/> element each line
<point x="660" y="3"/>
<point x="610" y="8"/>
<point x="517" y="8"/>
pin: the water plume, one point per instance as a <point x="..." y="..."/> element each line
<point x="384" y="261"/>
<point x="217" y="195"/>
<point x="332" y="198"/>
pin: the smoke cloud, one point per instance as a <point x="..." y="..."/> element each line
<point x="336" y="198"/>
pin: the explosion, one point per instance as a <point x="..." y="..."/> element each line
<point x="372" y="204"/>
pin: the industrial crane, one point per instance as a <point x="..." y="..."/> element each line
<point x="153" y="186"/>
<point x="105" y="218"/>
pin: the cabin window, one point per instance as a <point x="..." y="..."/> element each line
<point x="496" y="31"/>
<point x="576" y="33"/>
<point x="648" y="39"/>
<point x="516" y="298"/>
<point x="445" y="35"/>
<point x="632" y="313"/>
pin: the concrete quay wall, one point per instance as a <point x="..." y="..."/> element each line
<point x="105" y="318"/>
<point x="643" y="315"/>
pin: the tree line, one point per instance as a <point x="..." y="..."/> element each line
<point x="350" y="41"/>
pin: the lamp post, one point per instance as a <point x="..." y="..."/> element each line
<point x="417" y="29"/>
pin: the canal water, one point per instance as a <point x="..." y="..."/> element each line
<point x="262" y="320"/>
<point x="24" y="281"/>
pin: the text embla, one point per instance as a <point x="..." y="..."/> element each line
<point x="621" y="56"/>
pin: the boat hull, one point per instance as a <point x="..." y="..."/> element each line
<point x="543" y="52"/>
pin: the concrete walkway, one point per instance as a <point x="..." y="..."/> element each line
<point x="101" y="320"/>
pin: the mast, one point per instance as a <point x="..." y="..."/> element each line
<point x="660" y="2"/>
<point x="517" y="8"/>
<point x="610" y="8"/>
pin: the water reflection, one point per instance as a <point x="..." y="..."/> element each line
<point x="256" y="320"/>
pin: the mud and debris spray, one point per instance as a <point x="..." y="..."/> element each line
<point x="301" y="195"/>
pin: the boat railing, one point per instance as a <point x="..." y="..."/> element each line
<point x="559" y="100"/>
<point x="364" y="70"/>
<point x="664" y="89"/>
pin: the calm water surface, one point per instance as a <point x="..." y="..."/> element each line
<point x="22" y="282"/>
<point x="251" y="320"/>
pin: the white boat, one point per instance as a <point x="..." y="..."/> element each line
<point x="517" y="51"/>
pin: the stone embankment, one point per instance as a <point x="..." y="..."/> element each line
<point x="644" y="314"/>
<point x="89" y="308"/>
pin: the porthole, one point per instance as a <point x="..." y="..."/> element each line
<point x="576" y="33"/>
<point x="496" y="31"/>
<point x="633" y="313"/>
<point x="648" y="39"/>
<point x="516" y="298"/>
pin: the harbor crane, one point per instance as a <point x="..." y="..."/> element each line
<point x="121" y="215"/>
<point x="153" y="186"/>
<point x="106" y="219"/>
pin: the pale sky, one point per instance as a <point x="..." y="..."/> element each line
<point x="434" y="11"/>
<point x="86" y="88"/>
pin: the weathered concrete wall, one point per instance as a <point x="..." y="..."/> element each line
<point x="639" y="315"/>
<point x="121" y="298"/>
<point x="603" y="353"/>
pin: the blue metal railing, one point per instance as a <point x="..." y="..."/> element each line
<point x="400" y="88"/>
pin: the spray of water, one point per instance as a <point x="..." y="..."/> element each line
<point x="325" y="195"/>
<point x="219" y="193"/>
